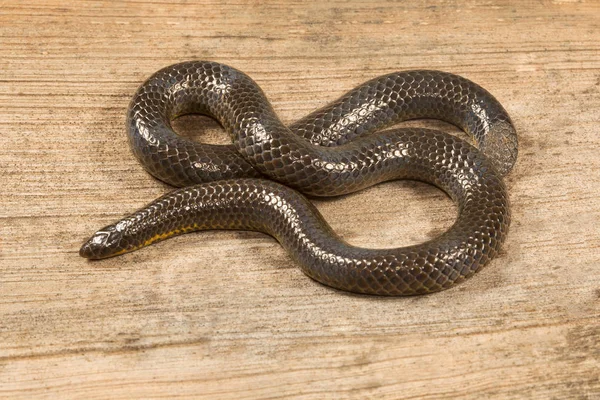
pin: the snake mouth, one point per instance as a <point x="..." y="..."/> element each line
<point x="94" y="248"/>
<point x="91" y="250"/>
<point x="103" y="244"/>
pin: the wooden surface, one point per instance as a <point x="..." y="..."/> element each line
<point x="228" y="314"/>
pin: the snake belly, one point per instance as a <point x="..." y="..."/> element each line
<point x="330" y="152"/>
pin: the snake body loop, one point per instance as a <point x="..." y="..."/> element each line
<point x="329" y="152"/>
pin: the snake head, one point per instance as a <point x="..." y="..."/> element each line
<point x="107" y="242"/>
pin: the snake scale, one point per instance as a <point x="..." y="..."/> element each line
<point x="254" y="183"/>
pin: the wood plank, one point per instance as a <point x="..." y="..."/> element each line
<point x="228" y="314"/>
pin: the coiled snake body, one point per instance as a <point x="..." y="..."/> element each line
<point x="329" y="152"/>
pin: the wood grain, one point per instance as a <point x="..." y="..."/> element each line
<point x="228" y="314"/>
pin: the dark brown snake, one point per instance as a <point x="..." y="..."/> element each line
<point x="329" y="152"/>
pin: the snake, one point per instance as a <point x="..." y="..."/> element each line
<point x="264" y="179"/>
